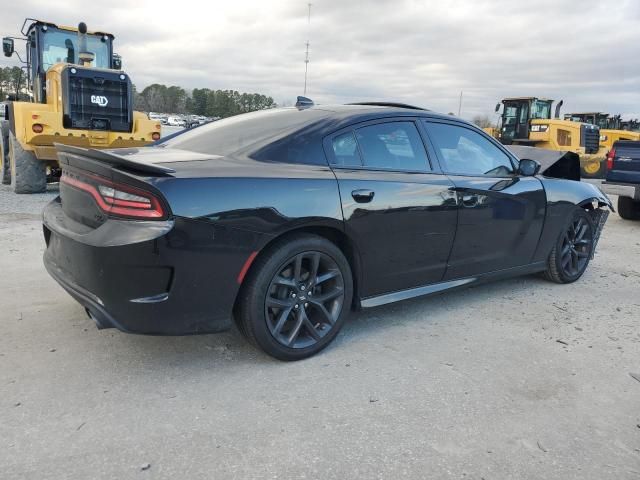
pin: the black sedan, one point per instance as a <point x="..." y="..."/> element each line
<point x="287" y="219"/>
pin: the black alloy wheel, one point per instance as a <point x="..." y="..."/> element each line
<point x="304" y="299"/>
<point x="576" y="247"/>
<point x="572" y="252"/>
<point x="296" y="297"/>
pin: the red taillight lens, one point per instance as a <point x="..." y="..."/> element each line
<point x="37" y="128"/>
<point x="610" y="156"/>
<point x="117" y="199"/>
<point x="155" y="136"/>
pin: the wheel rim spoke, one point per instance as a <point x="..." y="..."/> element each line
<point x="315" y="264"/>
<point x="296" y="330"/>
<point x="286" y="282"/>
<point x="324" y="312"/>
<point x="309" y="326"/>
<point x="279" y="302"/>
<point x="326" y="276"/>
<point x="284" y="315"/>
<point x="297" y="268"/>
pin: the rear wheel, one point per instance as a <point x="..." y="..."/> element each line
<point x="5" y="164"/>
<point x="572" y="252"/>
<point x="296" y="298"/>
<point x="28" y="174"/>
<point x="628" y="208"/>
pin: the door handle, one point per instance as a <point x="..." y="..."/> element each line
<point x="363" y="196"/>
<point x="470" y="201"/>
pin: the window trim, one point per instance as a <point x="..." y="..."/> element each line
<point x="512" y="159"/>
<point x="327" y="143"/>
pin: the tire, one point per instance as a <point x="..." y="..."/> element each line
<point x="593" y="170"/>
<point x="295" y="319"/>
<point x="28" y="174"/>
<point x="5" y="164"/>
<point x="628" y="208"/>
<point x="573" y="249"/>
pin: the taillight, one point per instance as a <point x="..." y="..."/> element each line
<point x="610" y="156"/>
<point x="117" y="199"/>
<point x="37" y="128"/>
<point x="155" y="136"/>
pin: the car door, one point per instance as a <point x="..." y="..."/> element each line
<point x="398" y="209"/>
<point x="500" y="213"/>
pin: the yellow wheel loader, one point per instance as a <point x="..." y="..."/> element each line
<point x="611" y="130"/>
<point x="77" y="95"/>
<point x="527" y="121"/>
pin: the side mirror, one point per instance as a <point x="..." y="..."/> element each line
<point x="7" y="46"/>
<point x="497" y="107"/>
<point x="528" y="167"/>
<point x="116" y="62"/>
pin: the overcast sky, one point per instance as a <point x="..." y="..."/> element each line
<point x="420" y="52"/>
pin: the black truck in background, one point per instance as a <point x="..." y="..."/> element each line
<point x="623" y="177"/>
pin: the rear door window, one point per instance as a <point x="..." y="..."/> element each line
<point x="345" y="150"/>
<point x="393" y="146"/>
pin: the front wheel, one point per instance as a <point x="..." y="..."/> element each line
<point x="296" y="297"/>
<point x="573" y="249"/>
<point x="28" y="174"/>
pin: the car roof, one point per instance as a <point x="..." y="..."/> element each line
<point x="342" y="115"/>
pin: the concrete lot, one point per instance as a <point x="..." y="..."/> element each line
<point x="517" y="379"/>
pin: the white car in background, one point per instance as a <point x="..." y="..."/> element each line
<point x="176" y="122"/>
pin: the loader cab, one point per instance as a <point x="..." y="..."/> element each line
<point x="517" y="114"/>
<point x="49" y="44"/>
<point x="602" y="120"/>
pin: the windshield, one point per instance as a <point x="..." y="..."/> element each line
<point x="540" y="109"/>
<point x="62" y="46"/>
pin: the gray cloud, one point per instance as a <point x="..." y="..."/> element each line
<point x="421" y="52"/>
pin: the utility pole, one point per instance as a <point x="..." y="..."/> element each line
<point x="460" y="104"/>
<point x="306" y="57"/>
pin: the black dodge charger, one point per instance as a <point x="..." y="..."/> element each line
<point x="286" y="219"/>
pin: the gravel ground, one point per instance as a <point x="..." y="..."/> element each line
<point x="516" y="379"/>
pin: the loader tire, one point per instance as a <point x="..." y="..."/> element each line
<point x="28" y="174"/>
<point x="5" y="164"/>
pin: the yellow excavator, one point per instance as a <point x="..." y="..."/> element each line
<point x="527" y="121"/>
<point x="77" y="95"/>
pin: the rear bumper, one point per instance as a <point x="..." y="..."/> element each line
<point x="165" y="281"/>
<point x="94" y="305"/>
<point x="631" y="191"/>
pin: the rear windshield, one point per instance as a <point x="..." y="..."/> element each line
<point x="253" y="132"/>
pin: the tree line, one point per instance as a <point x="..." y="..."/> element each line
<point x="12" y="81"/>
<point x="201" y="101"/>
<point x="162" y="98"/>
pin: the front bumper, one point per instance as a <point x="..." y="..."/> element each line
<point x="166" y="281"/>
<point x="631" y="191"/>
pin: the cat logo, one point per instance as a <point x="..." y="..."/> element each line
<point x="99" y="100"/>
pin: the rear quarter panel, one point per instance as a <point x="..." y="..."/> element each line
<point x="266" y="199"/>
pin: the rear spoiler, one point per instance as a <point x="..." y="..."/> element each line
<point x="115" y="158"/>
